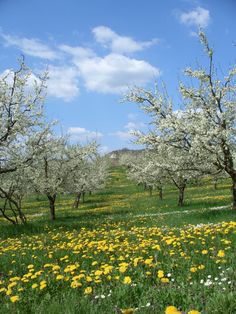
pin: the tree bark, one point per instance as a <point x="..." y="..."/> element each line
<point x="181" y="195"/>
<point x="234" y="192"/>
<point x="8" y="218"/>
<point x="161" y="194"/>
<point x="52" y="199"/>
<point x="83" y="195"/>
<point x="150" y="190"/>
<point x="77" y="200"/>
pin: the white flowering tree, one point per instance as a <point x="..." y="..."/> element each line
<point x="48" y="171"/>
<point x="22" y="130"/>
<point x="168" y="140"/>
<point x="89" y="172"/>
<point x="200" y="138"/>
<point x="144" y="170"/>
<point x="212" y="103"/>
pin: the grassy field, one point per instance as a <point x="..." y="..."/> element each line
<point x="123" y="251"/>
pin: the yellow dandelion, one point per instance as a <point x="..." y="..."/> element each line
<point x="127" y="280"/>
<point x="88" y="290"/>
<point x="221" y="253"/>
<point x="14" y="298"/>
<point x="160" y="274"/>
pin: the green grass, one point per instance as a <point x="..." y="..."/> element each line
<point x="117" y="225"/>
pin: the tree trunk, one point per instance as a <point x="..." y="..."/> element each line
<point x="52" y="199"/>
<point x="181" y="195"/>
<point x="83" y="195"/>
<point x="20" y="212"/>
<point x="77" y="200"/>
<point x="234" y="192"/>
<point x="215" y="184"/>
<point x="150" y="190"/>
<point x="14" y="222"/>
<point x="160" y="194"/>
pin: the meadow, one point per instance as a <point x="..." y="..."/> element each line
<point x="123" y="251"/>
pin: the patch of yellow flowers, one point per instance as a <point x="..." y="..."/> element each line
<point x="106" y="255"/>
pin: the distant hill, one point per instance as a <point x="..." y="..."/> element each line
<point x="116" y="155"/>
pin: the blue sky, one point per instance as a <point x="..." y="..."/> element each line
<point x="95" y="49"/>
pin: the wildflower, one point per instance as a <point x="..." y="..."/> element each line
<point x="98" y="273"/>
<point x="201" y="267"/>
<point x="30" y="266"/>
<point x="59" y="277"/>
<point x="15" y="279"/>
<point x="75" y="284"/>
<point x="221" y="253"/>
<point x="122" y="269"/>
<point x="88" y="290"/>
<point x="12" y="284"/>
<point x="127" y="280"/>
<point x="165" y="280"/>
<point x="193" y="269"/>
<point x="204" y="252"/>
<point x="43" y="286"/>
<point x="194" y="312"/>
<point x="89" y="279"/>
<point x="3" y="289"/>
<point x="34" y="286"/>
<point x="160" y="274"/>
<point x="14" y="298"/>
<point x="172" y="310"/>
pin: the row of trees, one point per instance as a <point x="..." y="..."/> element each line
<point x="197" y="140"/>
<point x="154" y="173"/>
<point x="32" y="158"/>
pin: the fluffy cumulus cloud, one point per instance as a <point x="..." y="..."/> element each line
<point x="112" y="73"/>
<point x="199" y="17"/>
<point x="83" y="135"/>
<point x="63" y="82"/>
<point x="119" y="44"/>
<point x="31" y="47"/>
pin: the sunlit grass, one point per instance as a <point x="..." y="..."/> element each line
<point x="122" y="251"/>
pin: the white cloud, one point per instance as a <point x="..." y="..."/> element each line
<point x="82" y="134"/>
<point x="119" y="44"/>
<point x="124" y="135"/>
<point x="79" y="53"/>
<point x="63" y="82"/>
<point x="134" y="125"/>
<point x="32" y="47"/>
<point x="199" y="17"/>
<point x="115" y="72"/>
<point x="112" y="73"/>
